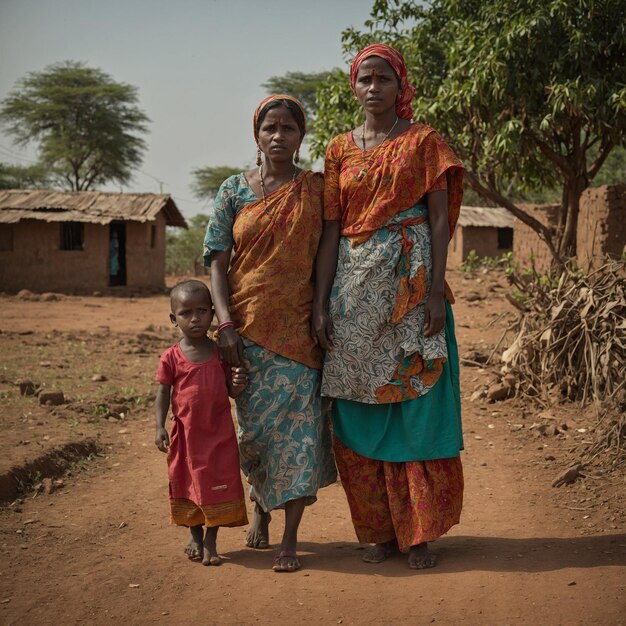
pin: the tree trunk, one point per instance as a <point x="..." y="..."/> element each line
<point x="573" y="191"/>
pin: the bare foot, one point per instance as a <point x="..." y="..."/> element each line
<point x="286" y="561"/>
<point x="420" y="557"/>
<point x="379" y="551"/>
<point x="193" y="549"/>
<point x="209" y="547"/>
<point x="258" y="535"/>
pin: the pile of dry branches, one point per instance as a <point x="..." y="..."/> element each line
<point x="570" y="342"/>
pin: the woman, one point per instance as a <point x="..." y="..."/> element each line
<point x="272" y="218"/>
<point x="393" y="191"/>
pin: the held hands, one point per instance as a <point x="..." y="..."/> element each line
<point x="162" y="439"/>
<point x="231" y="346"/>
<point x="434" y="315"/>
<point x="239" y="377"/>
<point x="322" y="330"/>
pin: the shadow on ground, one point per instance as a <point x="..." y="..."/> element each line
<point x="458" y="554"/>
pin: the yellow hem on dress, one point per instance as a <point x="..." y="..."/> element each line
<point x="184" y="512"/>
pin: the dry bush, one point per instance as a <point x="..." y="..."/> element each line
<point x="570" y="344"/>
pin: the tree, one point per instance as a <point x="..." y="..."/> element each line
<point x="183" y="250"/>
<point x="207" y="180"/>
<point x="86" y="124"/>
<point x="22" y="177"/>
<point x="301" y="85"/>
<point x="531" y="94"/>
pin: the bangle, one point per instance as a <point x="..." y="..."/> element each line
<point x="224" y="325"/>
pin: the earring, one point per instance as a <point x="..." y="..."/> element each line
<point x="296" y="156"/>
<point x="259" y="160"/>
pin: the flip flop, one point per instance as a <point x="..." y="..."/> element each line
<point x="277" y="567"/>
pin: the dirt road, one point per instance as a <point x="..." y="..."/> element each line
<point x="99" y="549"/>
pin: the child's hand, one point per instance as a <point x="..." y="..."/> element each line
<point x="239" y="377"/>
<point x="162" y="439"/>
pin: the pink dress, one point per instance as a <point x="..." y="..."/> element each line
<point x="204" y="479"/>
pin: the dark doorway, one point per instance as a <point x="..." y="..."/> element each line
<point x="505" y="239"/>
<point x="117" y="254"/>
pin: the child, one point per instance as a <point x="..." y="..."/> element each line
<point x="203" y="462"/>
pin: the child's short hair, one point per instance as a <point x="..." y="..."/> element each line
<point x="189" y="286"/>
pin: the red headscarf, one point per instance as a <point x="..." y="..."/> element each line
<point x="279" y="96"/>
<point x="395" y="59"/>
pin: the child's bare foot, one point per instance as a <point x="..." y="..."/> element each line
<point x="379" y="551"/>
<point x="420" y="557"/>
<point x="258" y="535"/>
<point x="209" y="547"/>
<point x="193" y="549"/>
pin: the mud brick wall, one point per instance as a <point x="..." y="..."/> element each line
<point x="526" y="243"/>
<point x="482" y="239"/>
<point x="601" y="225"/>
<point x="30" y="257"/>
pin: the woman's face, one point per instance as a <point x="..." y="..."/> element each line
<point x="376" y="85"/>
<point x="279" y="135"/>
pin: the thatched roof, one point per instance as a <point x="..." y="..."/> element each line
<point x="86" y="206"/>
<point x="494" y="217"/>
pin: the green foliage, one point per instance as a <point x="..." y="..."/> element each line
<point x="614" y="169"/>
<point x="183" y="250"/>
<point x="337" y="111"/>
<point x="300" y="85"/>
<point x="531" y="94"/>
<point x="86" y="124"/>
<point x="23" y="177"/>
<point x="473" y="262"/>
<point x="207" y="180"/>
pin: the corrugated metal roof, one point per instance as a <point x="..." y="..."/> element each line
<point x="495" y="217"/>
<point x="86" y="206"/>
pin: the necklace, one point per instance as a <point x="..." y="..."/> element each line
<point x="263" y="189"/>
<point x="365" y="167"/>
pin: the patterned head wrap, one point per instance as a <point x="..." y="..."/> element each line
<point x="279" y="96"/>
<point x="395" y="59"/>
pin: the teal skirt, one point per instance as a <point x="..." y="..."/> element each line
<point x="423" y="429"/>
<point x="285" y="446"/>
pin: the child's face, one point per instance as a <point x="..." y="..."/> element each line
<point x="192" y="312"/>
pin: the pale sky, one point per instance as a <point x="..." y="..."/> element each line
<point x="198" y="65"/>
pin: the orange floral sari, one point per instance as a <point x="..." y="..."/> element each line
<point x="271" y="279"/>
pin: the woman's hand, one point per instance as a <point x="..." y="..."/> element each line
<point x="231" y="346"/>
<point x="162" y="439"/>
<point x="322" y="330"/>
<point x="434" y="315"/>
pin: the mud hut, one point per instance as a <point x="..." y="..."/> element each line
<point x="83" y="241"/>
<point x="486" y="230"/>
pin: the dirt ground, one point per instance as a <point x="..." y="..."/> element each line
<point x="86" y="540"/>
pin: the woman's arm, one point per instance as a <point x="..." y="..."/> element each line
<point x="434" y="308"/>
<point x="229" y="342"/>
<point x="325" y="267"/>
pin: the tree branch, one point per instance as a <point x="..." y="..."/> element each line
<point x="542" y="231"/>
<point x="549" y="153"/>
<point x="601" y="158"/>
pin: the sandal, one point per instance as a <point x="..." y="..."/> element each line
<point x="286" y="554"/>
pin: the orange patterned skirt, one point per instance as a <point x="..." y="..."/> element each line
<point x="411" y="502"/>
